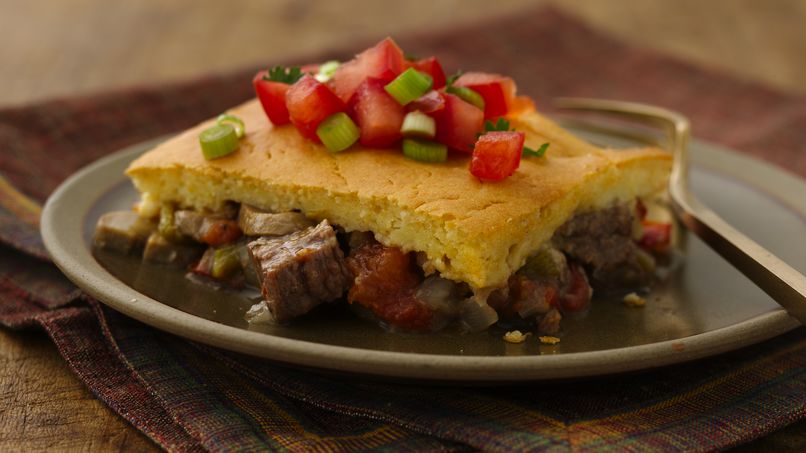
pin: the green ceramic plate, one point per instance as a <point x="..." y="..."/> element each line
<point x="703" y="308"/>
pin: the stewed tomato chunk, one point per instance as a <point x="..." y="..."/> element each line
<point x="657" y="236"/>
<point x="309" y="102"/>
<point x="377" y="113"/>
<point x="431" y="67"/>
<point x="272" y="98"/>
<point x="498" y="91"/>
<point x="383" y="61"/>
<point x="457" y="123"/>
<point x="497" y="155"/>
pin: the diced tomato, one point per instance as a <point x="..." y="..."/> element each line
<point x="578" y="294"/>
<point x="497" y="155"/>
<point x="385" y="282"/>
<point x="384" y="61"/>
<point x="657" y="236"/>
<point x="428" y="103"/>
<point x="458" y="123"/>
<point x="379" y="115"/>
<point x="272" y="98"/>
<point x="498" y="91"/>
<point x="431" y="67"/>
<point x="309" y="102"/>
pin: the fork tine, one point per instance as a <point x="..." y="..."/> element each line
<point x="675" y="124"/>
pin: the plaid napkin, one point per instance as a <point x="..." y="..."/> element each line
<point x="187" y="396"/>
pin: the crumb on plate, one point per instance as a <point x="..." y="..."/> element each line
<point x="549" y="340"/>
<point x="515" y="337"/>
<point x="634" y="300"/>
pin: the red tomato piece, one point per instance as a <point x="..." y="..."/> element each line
<point x="657" y="236"/>
<point x="498" y="91"/>
<point x="458" y="123"/>
<point x="497" y="155"/>
<point x="309" y="102"/>
<point x="272" y="98"/>
<point x="431" y="67"/>
<point x="383" y="61"/>
<point x="379" y="115"/>
<point x="428" y="103"/>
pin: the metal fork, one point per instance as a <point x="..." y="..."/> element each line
<point x="783" y="283"/>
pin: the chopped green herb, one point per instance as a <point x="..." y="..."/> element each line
<point x="501" y="125"/>
<point x="284" y="75"/>
<point x="539" y="152"/>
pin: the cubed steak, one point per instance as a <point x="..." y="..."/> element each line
<point x="300" y="271"/>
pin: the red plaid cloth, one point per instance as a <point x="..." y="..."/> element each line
<point x="187" y="396"/>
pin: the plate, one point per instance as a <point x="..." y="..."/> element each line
<point x="704" y="306"/>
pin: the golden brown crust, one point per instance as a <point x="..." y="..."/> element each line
<point x="471" y="231"/>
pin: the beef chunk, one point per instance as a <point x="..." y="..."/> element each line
<point x="254" y="222"/>
<point x="212" y="229"/>
<point x="122" y="231"/>
<point x="300" y="271"/>
<point x="601" y="240"/>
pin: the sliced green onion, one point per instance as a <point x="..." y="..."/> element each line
<point x="218" y="141"/>
<point x="409" y="85"/>
<point x="338" y="132"/>
<point x="468" y="95"/>
<point x="326" y="70"/>
<point x="418" y="124"/>
<point x="424" y="150"/>
<point x="237" y="123"/>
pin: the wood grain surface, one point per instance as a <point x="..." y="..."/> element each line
<point x="64" y="48"/>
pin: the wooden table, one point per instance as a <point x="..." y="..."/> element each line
<point x="57" y="48"/>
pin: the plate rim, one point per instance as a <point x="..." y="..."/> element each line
<point x="77" y="263"/>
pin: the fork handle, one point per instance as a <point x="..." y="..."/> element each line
<point x="778" y="279"/>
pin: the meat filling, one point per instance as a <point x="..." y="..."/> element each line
<point x="299" y="266"/>
<point x="299" y="271"/>
<point x="602" y="241"/>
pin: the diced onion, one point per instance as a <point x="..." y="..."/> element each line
<point x="477" y="315"/>
<point x="218" y="141"/>
<point x="468" y="95"/>
<point x="418" y="124"/>
<point x="327" y="70"/>
<point x="409" y="85"/>
<point x="338" y="132"/>
<point x="259" y="314"/>
<point x="424" y="150"/>
<point x="438" y="294"/>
